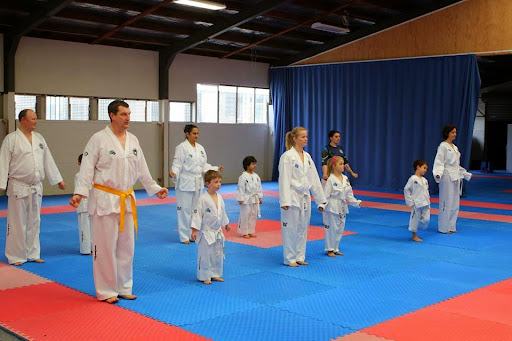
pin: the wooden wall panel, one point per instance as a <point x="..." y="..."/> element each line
<point x="474" y="26"/>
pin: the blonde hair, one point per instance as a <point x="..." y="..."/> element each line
<point x="332" y="161"/>
<point x="291" y="135"/>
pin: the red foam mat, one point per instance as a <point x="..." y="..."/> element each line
<point x="53" y="312"/>
<point x="360" y="336"/>
<point x="13" y="277"/>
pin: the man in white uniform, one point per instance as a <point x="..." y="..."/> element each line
<point x="113" y="160"/>
<point x="25" y="159"/>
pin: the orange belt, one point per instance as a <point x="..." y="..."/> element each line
<point x="122" y="196"/>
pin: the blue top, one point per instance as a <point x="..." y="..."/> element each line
<point x="330" y="151"/>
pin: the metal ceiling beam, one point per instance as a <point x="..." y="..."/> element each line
<point x="13" y="36"/>
<point x="307" y="22"/>
<point x="361" y="33"/>
<point x="132" y="20"/>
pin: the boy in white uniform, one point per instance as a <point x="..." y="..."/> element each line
<point x="249" y="194"/>
<point x="207" y="221"/>
<point x="84" y="221"/>
<point x="338" y="191"/>
<point x="417" y="196"/>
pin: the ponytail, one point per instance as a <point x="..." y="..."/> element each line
<point x="291" y="135"/>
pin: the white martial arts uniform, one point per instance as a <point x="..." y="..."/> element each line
<point x="189" y="164"/>
<point x="250" y="192"/>
<point x="337" y="193"/>
<point x="447" y="166"/>
<point x="84" y="225"/>
<point x="106" y="162"/>
<point x="417" y="196"/>
<point x="209" y="219"/>
<point x="25" y="166"/>
<point x="296" y="180"/>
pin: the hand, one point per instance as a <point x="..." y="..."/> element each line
<point x="228" y="228"/>
<point x="240" y="202"/>
<point x="62" y="185"/>
<point x="193" y="235"/>
<point x="163" y="193"/>
<point x="221" y="168"/>
<point x="438" y="177"/>
<point x="325" y="176"/>
<point x="321" y="209"/>
<point x="261" y="201"/>
<point x="285" y="208"/>
<point x="355" y="175"/>
<point x="172" y="174"/>
<point x="75" y="200"/>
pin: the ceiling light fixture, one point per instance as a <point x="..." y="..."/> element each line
<point x="330" y="28"/>
<point x="201" y="4"/>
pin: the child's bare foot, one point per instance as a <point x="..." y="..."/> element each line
<point x="128" y="297"/>
<point x="338" y="253"/>
<point x="207" y="282"/>
<point x="293" y="265"/>
<point x="186" y="242"/>
<point x="17" y="263"/>
<point x="39" y="260"/>
<point x="218" y="279"/>
<point x="331" y="254"/>
<point x="252" y="235"/>
<point x="247" y="236"/>
<point x="112" y="300"/>
<point x="300" y="262"/>
<point x="417" y="239"/>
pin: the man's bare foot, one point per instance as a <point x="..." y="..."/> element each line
<point x="247" y="236"/>
<point x="207" y="282"/>
<point x="186" y="242"/>
<point x="128" y="297"/>
<point x="417" y="239"/>
<point x="338" y="253"/>
<point x="218" y="279"/>
<point x="331" y="254"/>
<point x="293" y="265"/>
<point x="112" y="300"/>
<point x="300" y="262"/>
<point x="39" y="260"/>
<point x="252" y="235"/>
<point x="17" y="263"/>
<point x="445" y="232"/>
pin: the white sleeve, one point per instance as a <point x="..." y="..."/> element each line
<point x="50" y="168"/>
<point x="409" y="201"/>
<point x="285" y="175"/>
<point x="350" y="196"/>
<point x="439" y="162"/>
<point x="86" y="175"/>
<point x="5" y="160"/>
<point x="240" y="190"/>
<point x="145" y="177"/>
<point x="316" y="187"/>
<point x="260" y="189"/>
<point x="225" y="219"/>
<point x="467" y="175"/>
<point x="196" y="220"/>
<point x="177" y="162"/>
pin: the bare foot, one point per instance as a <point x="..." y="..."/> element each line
<point x="445" y="232"/>
<point x="17" y="263"/>
<point x="247" y="236"/>
<point x="252" y="235"/>
<point x="207" y="282"/>
<point x="293" y="265"/>
<point x="417" y="239"/>
<point x="218" y="279"/>
<point x="112" y="300"/>
<point x="331" y="254"/>
<point x="453" y="231"/>
<point x="338" y="253"/>
<point x="128" y="297"/>
<point x="39" y="260"/>
<point x="186" y="242"/>
<point x="300" y="262"/>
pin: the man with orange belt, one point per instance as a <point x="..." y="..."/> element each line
<point x="113" y="161"/>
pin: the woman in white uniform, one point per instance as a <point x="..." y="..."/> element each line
<point x="297" y="177"/>
<point x="188" y="167"/>
<point x="449" y="174"/>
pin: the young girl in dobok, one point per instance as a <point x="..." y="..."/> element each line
<point x="337" y="191"/>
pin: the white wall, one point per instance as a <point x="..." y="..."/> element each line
<point x="188" y="70"/>
<point x="64" y="68"/>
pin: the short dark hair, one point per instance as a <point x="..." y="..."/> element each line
<point x="247" y="161"/>
<point x="80" y="158"/>
<point x="418" y="163"/>
<point x="113" y="107"/>
<point x="23" y="113"/>
<point x="211" y="174"/>
<point x="447" y="129"/>
<point x="188" y="128"/>
<point x="332" y="132"/>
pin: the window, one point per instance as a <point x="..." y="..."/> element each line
<point x="153" y="111"/>
<point x="57" y="108"/>
<point x="79" y="108"/>
<point x="231" y="104"/>
<point x="141" y="110"/>
<point x="22" y="102"/>
<point x="138" y="110"/>
<point x="103" y="108"/>
<point x="180" y="112"/>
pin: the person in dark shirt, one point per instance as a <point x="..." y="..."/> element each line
<point x="333" y="149"/>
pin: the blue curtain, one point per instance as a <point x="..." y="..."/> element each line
<point x="389" y="113"/>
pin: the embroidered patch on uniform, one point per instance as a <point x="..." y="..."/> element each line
<point x="41" y="145"/>
<point x="202" y="153"/>
<point x="112" y="152"/>
<point x="208" y="210"/>
<point x="285" y="224"/>
<point x="189" y="155"/>
<point x="326" y="226"/>
<point x="135" y="151"/>
<point x="335" y="184"/>
<point x="296" y="165"/>
<point x="195" y="211"/>
<point x="85" y="154"/>
<point x="178" y="208"/>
